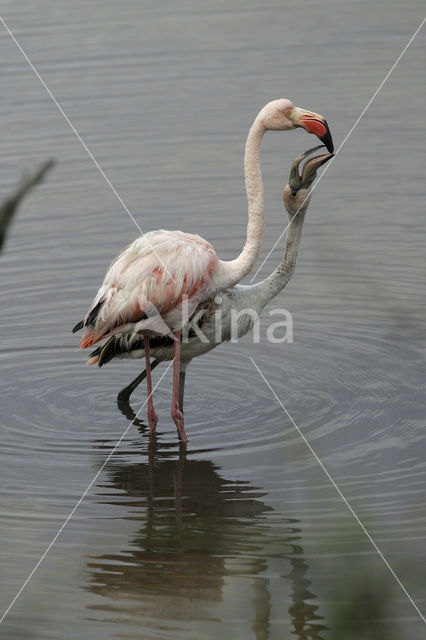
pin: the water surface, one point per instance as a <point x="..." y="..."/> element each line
<point x="242" y="536"/>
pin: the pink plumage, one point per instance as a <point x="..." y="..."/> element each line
<point x="144" y="287"/>
<point x="149" y="283"/>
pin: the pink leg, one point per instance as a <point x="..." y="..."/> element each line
<point x="152" y="416"/>
<point x="176" y="412"/>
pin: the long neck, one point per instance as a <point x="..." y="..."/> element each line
<point x="234" y="270"/>
<point x="271" y="286"/>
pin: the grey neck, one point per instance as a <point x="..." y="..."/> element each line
<point x="271" y="286"/>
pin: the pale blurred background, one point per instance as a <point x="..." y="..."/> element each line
<point x="246" y="538"/>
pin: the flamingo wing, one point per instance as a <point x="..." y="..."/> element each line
<point x="149" y="278"/>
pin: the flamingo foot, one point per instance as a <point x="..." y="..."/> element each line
<point x="177" y="416"/>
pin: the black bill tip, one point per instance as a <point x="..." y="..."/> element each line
<point x="326" y="138"/>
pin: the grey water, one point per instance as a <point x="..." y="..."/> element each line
<point x="243" y="535"/>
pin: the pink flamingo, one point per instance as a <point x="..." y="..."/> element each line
<point x="155" y="285"/>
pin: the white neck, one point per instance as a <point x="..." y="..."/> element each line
<point x="233" y="271"/>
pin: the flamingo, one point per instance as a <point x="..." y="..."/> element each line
<point x="239" y="301"/>
<point x="11" y="203"/>
<point x="158" y="281"/>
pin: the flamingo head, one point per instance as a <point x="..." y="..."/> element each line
<point x="282" y="115"/>
<point x="297" y="193"/>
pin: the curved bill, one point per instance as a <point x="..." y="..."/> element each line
<point x="310" y="168"/>
<point x="313" y="123"/>
<point x="326" y="138"/>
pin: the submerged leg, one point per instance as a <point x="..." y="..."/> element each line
<point x="124" y="395"/>
<point x="176" y="412"/>
<point x="152" y="416"/>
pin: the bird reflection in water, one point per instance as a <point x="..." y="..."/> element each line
<point x="198" y="534"/>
